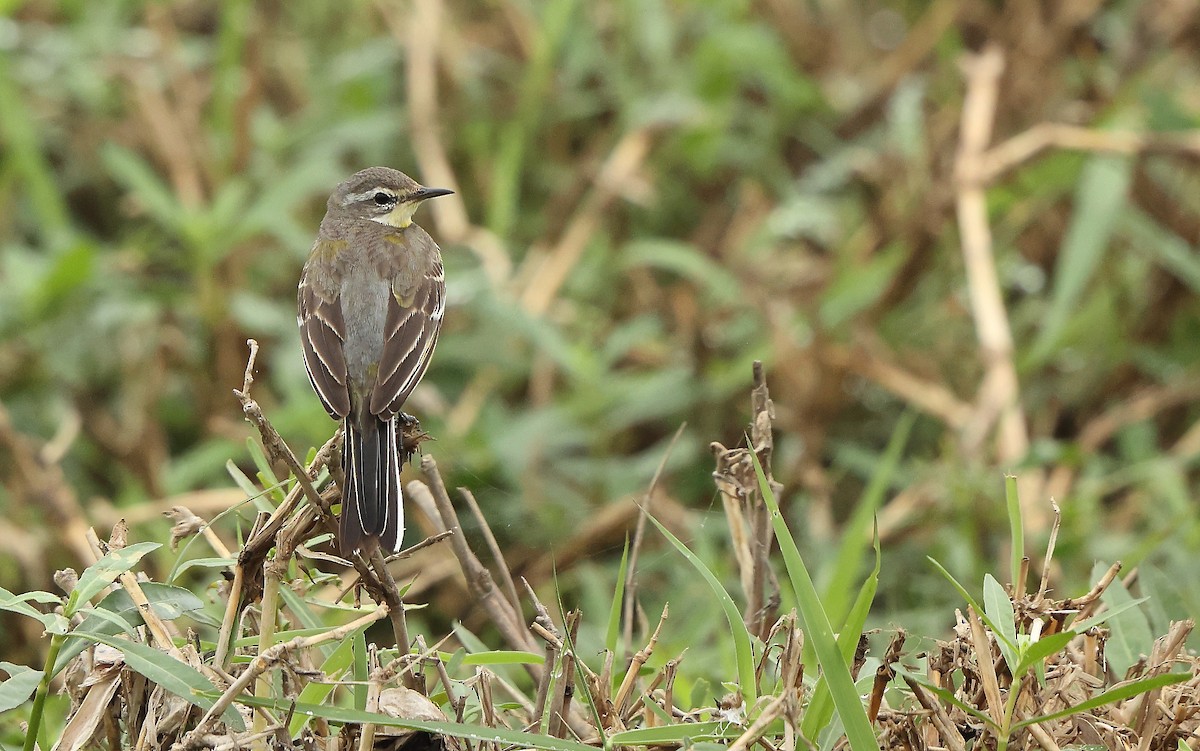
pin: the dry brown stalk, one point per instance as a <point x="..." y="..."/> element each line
<point x="560" y="706"/>
<point x="885" y="673"/>
<point x="754" y="732"/>
<point x="999" y="401"/>
<point x="950" y="737"/>
<point x="547" y="675"/>
<point x="746" y="513"/>
<point x="158" y="629"/>
<point x="506" y="580"/>
<point x="553" y="267"/>
<point x="419" y="33"/>
<point x="985" y="662"/>
<point x="625" y="692"/>
<point x="635" y="547"/>
<point x="1027" y="145"/>
<point x="479" y="580"/>
<point x="272" y="657"/>
<point x="366" y="738"/>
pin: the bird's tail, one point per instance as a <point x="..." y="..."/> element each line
<point x="372" y="501"/>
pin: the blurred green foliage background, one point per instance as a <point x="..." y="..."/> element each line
<point x="650" y="196"/>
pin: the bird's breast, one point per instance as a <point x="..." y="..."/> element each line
<point x="364" y="297"/>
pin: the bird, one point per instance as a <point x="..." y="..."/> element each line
<point x="369" y="305"/>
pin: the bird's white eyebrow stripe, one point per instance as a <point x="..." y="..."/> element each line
<point x="353" y="197"/>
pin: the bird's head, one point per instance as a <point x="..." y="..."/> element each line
<point x="382" y="195"/>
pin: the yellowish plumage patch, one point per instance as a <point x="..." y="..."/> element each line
<point x="399" y="217"/>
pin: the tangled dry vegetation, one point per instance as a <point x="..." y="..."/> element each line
<point x="1021" y="671"/>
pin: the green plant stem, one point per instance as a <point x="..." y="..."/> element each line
<point x="1016" y="528"/>
<point x="43" y="690"/>
<point x="266" y="637"/>
<point x="1010" y="707"/>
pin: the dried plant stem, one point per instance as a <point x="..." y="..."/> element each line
<point x="1042" y="137"/>
<point x="479" y="580"/>
<point x="987" y="669"/>
<point x="560" y="708"/>
<point x="158" y="629"/>
<point x="952" y="739"/>
<point x="760" y="724"/>
<point x="366" y="739"/>
<point x="622" y="700"/>
<point x="635" y="548"/>
<point x="391" y="598"/>
<point x="273" y="656"/>
<point x="224" y="639"/>
<point x="274" y="445"/>
<point x="543" y="692"/>
<point x="510" y="588"/>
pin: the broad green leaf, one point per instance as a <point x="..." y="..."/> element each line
<point x="201" y="563"/>
<point x="179" y="678"/>
<point x="1003" y="618"/>
<point x="1129" y="631"/>
<point x="358" y="669"/>
<point x="52" y="622"/>
<point x="105" y="571"/>
<point x="1041" y="649"/>
<point x="315" y="692"/>
<point x="15" y="690"/>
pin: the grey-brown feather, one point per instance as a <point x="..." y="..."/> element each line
<point x="370" y="308"/>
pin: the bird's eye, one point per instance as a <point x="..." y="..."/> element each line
<point x="383" y="199"/>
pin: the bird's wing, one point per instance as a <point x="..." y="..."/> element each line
<point x="322" y="332"/>
<point x="410" y="331"/>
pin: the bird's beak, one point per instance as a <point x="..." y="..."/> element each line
<point x="425" y="194"/>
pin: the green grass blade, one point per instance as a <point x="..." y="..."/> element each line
<point x="818" y="630"/>
<point x="613" y="633"/>
<point x="317" y="691"/>
<point x="820" y="710"/>
<point x="1129" y="634"/>
<point x="950" y="698"/>
<point x="1099" y="199"/>
<point x="504" y="657"/>
<point x="681" y="733"/>
<point x="1116" y="693"/>
<point x="846" y="563"/>
<point x="15" y="690"/>
<point x="359" y="670"/>
<point x="1016" y="531"/>
<point x="743" y="651"/>
<point x="342" y="715"/>
<point x="979" y="610"/>
<point x="104" y="572"/>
